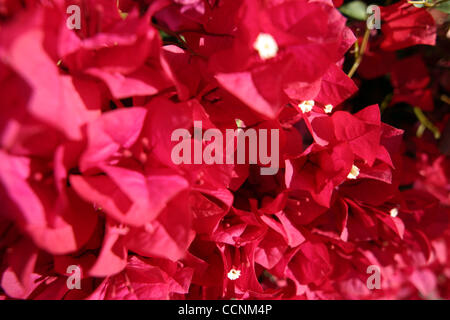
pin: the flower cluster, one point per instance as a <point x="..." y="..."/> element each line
<point x="88" y="181"/>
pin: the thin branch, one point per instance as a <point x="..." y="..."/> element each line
<point x="426" y="122"/>
<point x="360" y="53"/>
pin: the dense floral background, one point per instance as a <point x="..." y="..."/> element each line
<point x="87" y="180"/>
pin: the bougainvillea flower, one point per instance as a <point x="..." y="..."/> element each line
<point x="270" y="45"/>
<point x="106" y="54"/>
<point x="113" y="185"/>
<point x="45" y="208"/>
<point x="404" y="26"/>
<point x="61" y="101"/>
<point x="145" y="279"/>
<point x="411" y="81"/>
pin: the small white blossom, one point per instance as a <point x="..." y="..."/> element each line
<point x="354" y="173"/>
<point x="393" y="212"/>
<point x="234" y="274"/>
<point x="266" y="46"/>
<point x="306" y="106"/>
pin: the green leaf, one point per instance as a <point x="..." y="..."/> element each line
<point x="444" y="7"/>
<point x="163" y="35"/>
<point x="355" y="9"/>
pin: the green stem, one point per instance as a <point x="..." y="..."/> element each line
<point x="426" y="122"/>
<point x="360" y="53"/>
<point x="386" y="102"/>
<point x="445" y="98"/>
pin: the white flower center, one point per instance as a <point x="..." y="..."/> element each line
<point x="393" y="212"/>
<point x="306" y="106"/>
<point x="266" y="46"/>
<point x="354" y="173"/>
<point x="328" y="108"/>
<point x="234" y="274"/>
